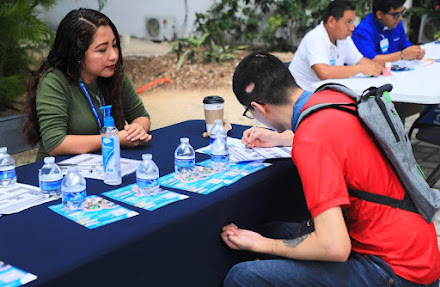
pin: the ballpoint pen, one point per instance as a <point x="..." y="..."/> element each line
<point x="253" y="129"/>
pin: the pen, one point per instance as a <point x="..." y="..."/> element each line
<point x="253" y="128"/>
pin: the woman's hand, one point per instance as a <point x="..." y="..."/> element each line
<point x="135" y="132"/>
<point x="134" y="135"/>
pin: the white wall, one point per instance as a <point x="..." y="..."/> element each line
<point x="129" y="15"/>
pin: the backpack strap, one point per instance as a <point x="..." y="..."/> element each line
<point x="339" y="88"/>
<point x="406" y="203"/>
<point x="338" y="106"/>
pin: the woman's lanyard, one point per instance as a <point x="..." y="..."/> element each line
<point x="91" y="104"/>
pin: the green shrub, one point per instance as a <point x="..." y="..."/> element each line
<point x="270" y="24"/>
<point x="22" y="33"/>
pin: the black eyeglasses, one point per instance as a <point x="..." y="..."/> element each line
<point x="396" y="15"/>
<point x="247" y="112"/>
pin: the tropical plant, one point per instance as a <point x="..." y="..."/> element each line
<point x="419" y="8"/>
<point x="22" y="33"/>
<point x="273" y="24"/>
<point x="192" y="48"/>
<point x="187" y="49"/>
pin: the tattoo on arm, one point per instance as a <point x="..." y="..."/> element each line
<point x="296" y="241"/>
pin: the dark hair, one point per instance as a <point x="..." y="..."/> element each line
<point x="272" y="80"/>
<point x="337" y="8"/>
<point x="385" y="5"/>
<point x="73" y="38"/>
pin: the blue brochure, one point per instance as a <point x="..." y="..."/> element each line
<point x="11" y="276"/>
<point x="97" y="212"/>
<point x="129" y="194"/>
<point x="204" y="180"/>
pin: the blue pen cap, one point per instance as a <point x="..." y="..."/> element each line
<point x="108" y="119"/>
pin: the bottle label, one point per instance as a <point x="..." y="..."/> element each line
<point x="50" y="185"/>
<point x="220" y="157"/>
<point x="110" y="154"/>
<point x="7" y="174"/>
<point x="185" y="162"/>
<point x="146" y="183"/>
<point x="75" y="196"/>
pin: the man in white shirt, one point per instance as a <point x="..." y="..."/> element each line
<point x="327" y="51"/>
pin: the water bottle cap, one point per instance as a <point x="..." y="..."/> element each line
<point x="184" y="140"/>
<point x="146" y="156"/>
<point x="49" y="159"/>
<point x="3" y="149"/>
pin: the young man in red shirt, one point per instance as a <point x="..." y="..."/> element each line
<point x="332" y="151"/>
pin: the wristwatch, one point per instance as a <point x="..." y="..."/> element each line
<point x="401" y="55"/>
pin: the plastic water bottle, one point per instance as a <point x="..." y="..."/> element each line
<point x="50" y="177"/>
<point x="111" y="150"/>
<point x="74" y="190"/>
<point x="147" y="176"/>
<point x="7" y="168"/>
<point x="184" y="158"/>
<point x="217" y="131"/>
<point x="219" y="147"/>
<point x="219" y="155"/>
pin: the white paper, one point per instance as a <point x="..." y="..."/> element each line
<point x="413" y="64"/>
<point x="238" y="152"/>
<point x="19" y="197"/>
<point x="90" y="165"/>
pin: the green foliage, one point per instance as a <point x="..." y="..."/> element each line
<point x="187" y="49"/>
<point x="101" y="4"/>
<point x="194" y="48"/>
<point x="416" y="12"/>
<point x="273" y="24"/>
<point x="22" y="34"/>
<point x="219" y="54"/>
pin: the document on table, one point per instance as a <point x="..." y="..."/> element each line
<point x="238" y="152"/>
<point x="129" y="194"/>
<point x="90" y="165"/>
<point x="19" y="197"/>
<point x="413" y="64"/>
<point x="97" y="212"/>
<point x="205" y="180"/>
<point x="12" y="276"/>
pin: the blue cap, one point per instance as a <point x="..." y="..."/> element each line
<point x="108" y="119"/>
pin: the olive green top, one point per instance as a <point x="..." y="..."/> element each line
<point x="62" y="109"/>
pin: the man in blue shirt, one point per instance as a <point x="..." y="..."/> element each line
<point x="380" y="35"/>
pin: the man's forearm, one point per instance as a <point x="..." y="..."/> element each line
<point x="325" y="72"/>
<point x="382" y="59"/>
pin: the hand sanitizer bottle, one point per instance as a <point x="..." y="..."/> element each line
<point x="111" y="151"/>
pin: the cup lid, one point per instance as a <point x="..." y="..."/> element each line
<point x="213" y="100"/>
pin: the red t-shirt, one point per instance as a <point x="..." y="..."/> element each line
<point x="333" y="151"/>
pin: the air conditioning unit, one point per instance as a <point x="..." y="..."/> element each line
<point x="160" y="28"/>
<point x="428" y="27"/>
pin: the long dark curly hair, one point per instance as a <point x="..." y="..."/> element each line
<point x="73" y="38"/>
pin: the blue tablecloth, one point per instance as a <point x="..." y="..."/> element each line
<point x="176" y="245"/>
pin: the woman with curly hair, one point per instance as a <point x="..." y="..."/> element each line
<point x="83" y="71"/>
